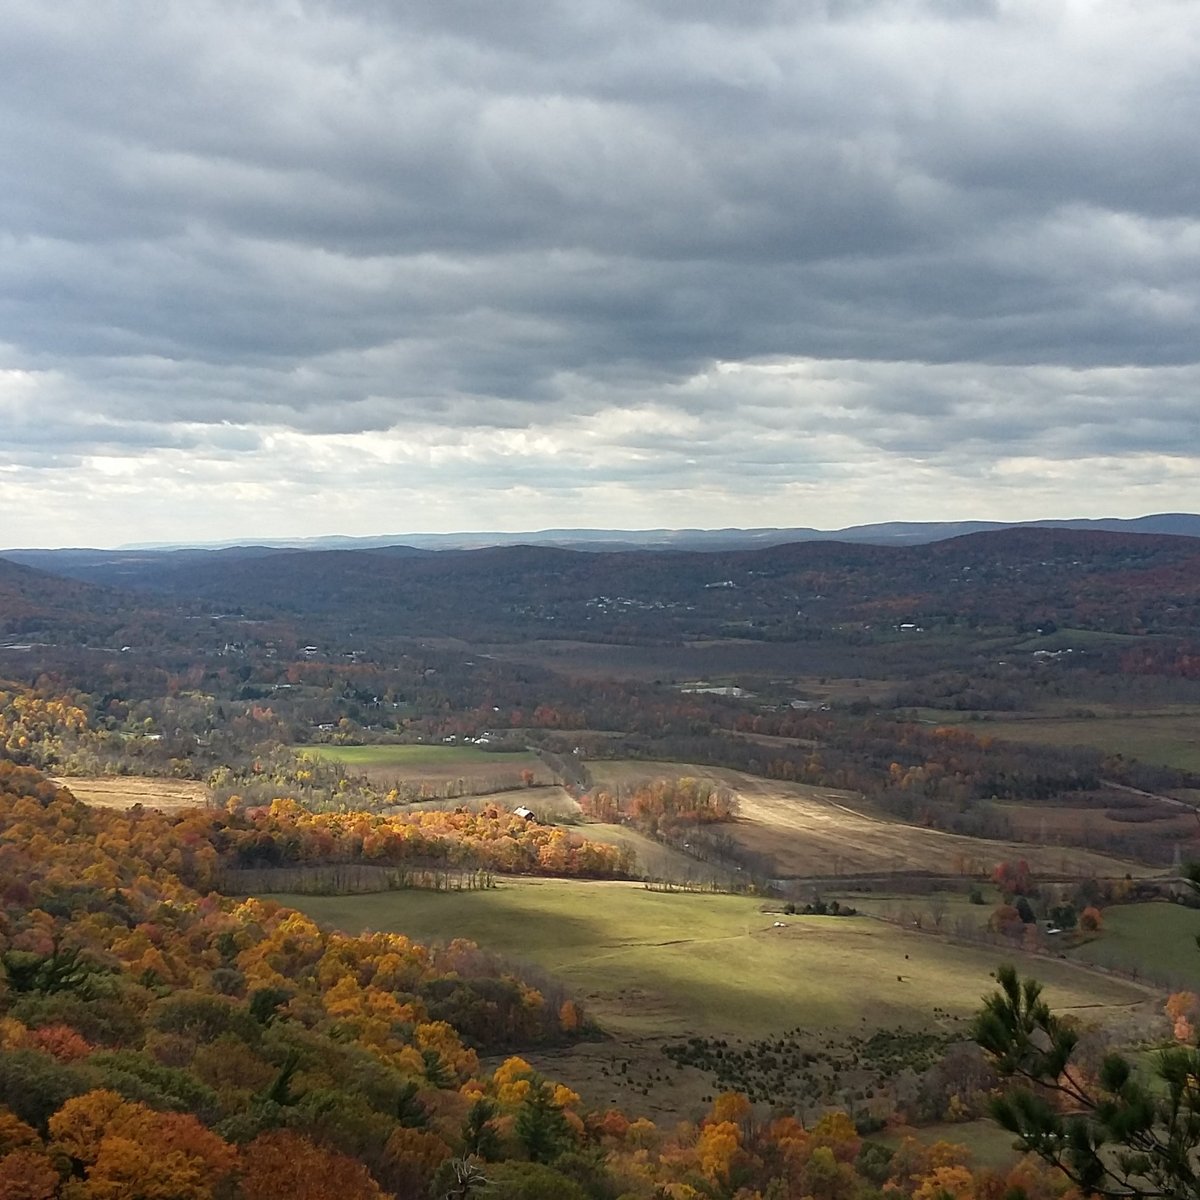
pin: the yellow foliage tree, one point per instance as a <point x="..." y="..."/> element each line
<point x="569" y="1019"/>
<point x="717" y="1148"/>
<point x="443" y="1038"/>
<point x="730" y="1106"/>
<point x="946" y="1183"/>
<point x="15" y="1134"/>
<point x="512" y="1080"/>
<point x="128" y="1151"/>
<point x="837" y="1131"/>
<point x="80" y="1125"/>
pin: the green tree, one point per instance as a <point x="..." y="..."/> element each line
<point x="34" y="1086"/>
<point x="410" y="1112"/>
<point x="531" y="1181"/>
<point x="437" y="1074"/>
<point x="540" y="1125"/>
<point x="457" y="1179"/>
<point x="1117" y="1138"/>
<point x="479" y="1135"/>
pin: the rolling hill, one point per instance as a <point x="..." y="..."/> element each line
<point x="1027" y="577"/>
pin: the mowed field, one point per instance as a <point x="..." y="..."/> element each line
<point x="653" y="963"/>
<point x="387" y="764"/>
<point x="656" y="861"/>
<point x="124" y="791"/>
<point x="550" y="802"/>
<point x="1156" y="940"/>
<point x="1058" y="824"/>
<point x="653" y="968"/>
<point x="1169" y="738"/>
<point x="810" y="832"/>
<point x="814" y="672"/>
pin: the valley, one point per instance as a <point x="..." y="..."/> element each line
<point x="656" y="969"/>
<point x="682" y="850"/>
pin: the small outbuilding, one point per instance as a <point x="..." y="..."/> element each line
<point x="526" y="814"/>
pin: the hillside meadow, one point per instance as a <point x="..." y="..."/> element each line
<point x="415" y="757"/>
<point x="1166" y="737"/>
<point x="653" y="963"/>
<point x="389" y="764"/>
<point x="1157" y="941"/>
<point x="654" y="968"/>
<point x="420" y="758"/>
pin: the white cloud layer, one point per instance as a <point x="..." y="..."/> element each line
<point x="288" y="268"/>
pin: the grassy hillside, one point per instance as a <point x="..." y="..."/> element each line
<point x="388" y="765"/>
<point x="412" y="756"/>
<point x="1169" y="739"/>
<point x="658" y="964"/>
<point x="1157" y="940"/>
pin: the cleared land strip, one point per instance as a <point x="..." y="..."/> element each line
<point x="821" y="833"/>
<point x="812" y="835"/>
<point x="124" y="791"/>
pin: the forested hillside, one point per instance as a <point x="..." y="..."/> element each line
<point x="1026" y="577"/>
<point x="158" y="1040"/>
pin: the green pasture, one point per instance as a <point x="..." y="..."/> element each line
<point x="1170" y="739"/>
<point x="928" y="907"/>
<point x="1076" y="639"/>
<point x="1157" y="940"/>
<point x="407" y="757"/>
<point x="988" y="1144"/>
<point x="654" y="964"/>
<point x="654" y="860"/>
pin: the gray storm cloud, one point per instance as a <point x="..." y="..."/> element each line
<point x="600" y="254"/>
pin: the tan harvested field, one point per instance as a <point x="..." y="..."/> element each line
<point x="770" y="739"/>
<point x="809" y="832"/>
<point x="549" y="802"/>
<point x="389" y="766"/>
<point x="124" y="791"/>
<point x="494" y="774"/>
<point x="842" y="691"/>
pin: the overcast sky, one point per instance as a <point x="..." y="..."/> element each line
<point x="295" y="268"/>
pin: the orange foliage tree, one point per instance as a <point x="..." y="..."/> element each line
<point x="282" y="1165"/>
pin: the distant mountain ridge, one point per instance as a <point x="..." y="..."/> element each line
<point x="1023" y="577"/>
<point x="1020" y="576"/>
<point x="884" y="533"/>
<point x="35" y="602"/>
